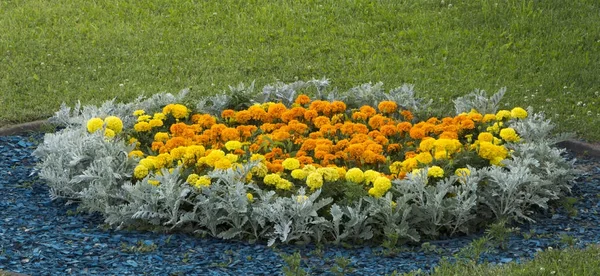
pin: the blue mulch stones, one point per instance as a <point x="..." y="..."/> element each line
<point x="42" y="237"/>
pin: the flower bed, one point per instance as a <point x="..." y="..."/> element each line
<point x="364" y="165"/>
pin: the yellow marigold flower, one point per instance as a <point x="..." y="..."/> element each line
<point x="159" y="116"/>
<point x="330" y="174"/>
<point x="250" y="197"/>
<point x="271" y="179"/>
<point x="299" y="174"/>
<point x="382" y="183"/>
<point x="94" y="124"/>
<point x="153" y="182"/>
<point x="284" y="184"/>
<point x="144" y="118"/>
<point x="136" y="153"/>
<point x="395" y="167"/>
<point x="233" y="145"/>
<point x="178" y="153"/>
<point x="301" y="198"/>
<point x="148" y="163"/>
<point x="492" y="152"/>
<point x="409" y="164"/>
<point x="417" y="172"/>
<point x="155" y="123"/>
<point x="139" y="112"/>
<point x="260" y="170"/>
<point x="142" y="127"/>
<point x="309" y="168"/>
<point x="441" y="155"/>
<point x="203" y="181"/>
<point x="518" y="112"/>
<point x="509" y="134"/>
<point x="427" y="144"/>
<point x="178" y="111"/>
<point x="232" y="157"/>
<point x="257" y="157"/>
<point x="355" y="175"/>
<point x="314" y="180"/>
<point x="214" y="156"/>
<point x="488" y="117"/>
<point x="109" y="133"/>
<point x="223" y="164"/>
<point x="290" y="164"/>
<point x="161" y="137"/>
<point x="485" y="137"/>
<point x="140" y="171"/>
<point x="114" y="123"/>
<point x="502" y="114"/>
<point x="424" y="158"/>
<point x="370" y="176"/>
<point x="435" y="171"/>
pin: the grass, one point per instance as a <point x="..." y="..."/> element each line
<point x="568" y="261"/>
<point x="546" y="52"/>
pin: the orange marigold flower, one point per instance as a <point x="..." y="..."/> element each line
<point x="257" y="113"/>
<point x="387" y="107"/>
<point x="323" y="107"/>
<point x="275" y="110"/>
<point x="280" y="135"/>
<point x="409" y="154"/>
<point x="393" y="147"/>
<point x="377" y="121"/>
<point x="408" y="116"/>
<point x="388" y="130"/>
<point x="310" y="114"/>
<point x="156" y="146"/>
<point x="370" y="111"/>
<point x="229" y="134"/>
<point x="227" y="113"/>
<point x="243" y="116"/>
<point x="320" y="121"/>
<point x="404" y="127"/>
<point x="360" y="129"/>
<point x="178" y="129"/>
<point x="305" y="160"/>
<point x="338" y="107"/>
<point x="302" y="99"/>
<point x="417" y="133"/>
<point x="449" y="135"/>
<point x="359" y="116"/>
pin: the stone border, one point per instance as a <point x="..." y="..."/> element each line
<point x="577" y="146"/>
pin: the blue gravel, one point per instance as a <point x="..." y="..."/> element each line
<point x="43" y="237"/>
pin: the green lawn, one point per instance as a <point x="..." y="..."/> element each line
<point x="546" y="52"/>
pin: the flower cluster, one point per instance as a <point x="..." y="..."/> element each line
<point x="315" y="144"/>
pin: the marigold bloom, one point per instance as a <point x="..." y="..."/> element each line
<point x="408" y="116"/>
<point x="290" y="164"/>
<point x="424" y="158"/>
<point x="355" y="175"/>
<point x="178" y="111"/>
<point x="338" y="107"/>
<point x="370" y="176"/>
<point x="140" y="171"/>
<point x="368" y="110"/>
<point x="114" y="123"/>
<point x="284" y="184"/>
<point x="233" y="145"/>
<point x="502" y="114"/>
<point x="485" y="137"/>
<point x="299" y="174"/>
<point x="302" y="99"/>
<point x="509" y="134"/>
<point x="155" y="123"/>
<point x="227" y="113"/>
<point x="387" y="107"/>
<point x="94" y="124"/>
<point x="435" y="171"/>
<point x="314" y="181"/>
<point x="271" y="179"/>
<point x="142" y="127"/>
<point x="203" y="181"/>
<point x="139" y="112"/>
<point x="109" y="133"/>
<point x="462" y="172"/>
<point x="519" y="113"/>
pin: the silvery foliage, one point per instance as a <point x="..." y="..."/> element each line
<point x="78" y="115"/>
<point x="358" y="226"/>
<point x="432" y="209"/>
<point x="394" y="217"/>
<point x="72" y="160"/>
<point x="479" y="101"/>
<point x="537" y="129"/>
<point x="372" y="95"/>
<point x="287" y="93"/>
<point x="142" y="202"/>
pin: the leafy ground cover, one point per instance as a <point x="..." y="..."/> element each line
<point x="545" y="52"/>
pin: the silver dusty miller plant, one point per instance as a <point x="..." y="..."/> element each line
<point x="96" y="172"/>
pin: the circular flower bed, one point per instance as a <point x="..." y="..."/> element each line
<point x="299" y="169"/>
